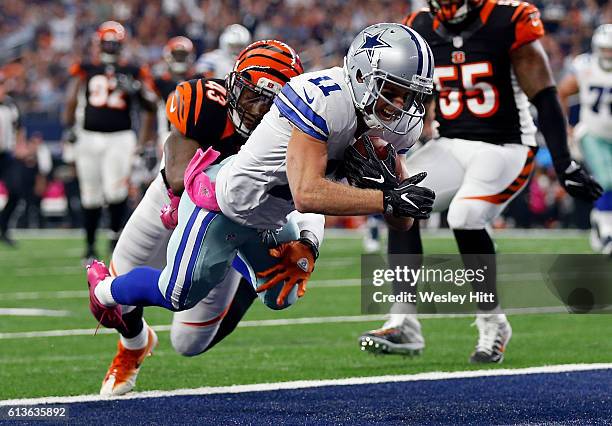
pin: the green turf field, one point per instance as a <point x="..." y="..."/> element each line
<point x="46" y="274"/>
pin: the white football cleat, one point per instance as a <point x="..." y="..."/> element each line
<point x="123" y="371"/>
<point x="403" y="338"/>
<point x="494" y="333"/>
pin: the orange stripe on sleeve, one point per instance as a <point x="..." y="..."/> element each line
<point x="527" y="25"/>
<point x="409" y="19"/>
<point x="75" y="70"/>
<point x="199" y="99"/>
<point x="486" y="10"/>
<point x="177" y="107"/>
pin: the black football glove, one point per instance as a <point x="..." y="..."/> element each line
<point x="408" y="199"/>
<point x="370" y="172"/>
<point x="577" y="182"/>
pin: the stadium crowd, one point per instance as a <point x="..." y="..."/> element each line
<point x="40" y="39"/>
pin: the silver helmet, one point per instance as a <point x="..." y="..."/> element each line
<point x="602" y="46"/>
<point x="389" y="54"/>
<point x="234" y="38"/>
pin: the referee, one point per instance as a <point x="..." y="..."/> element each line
<point x="10" y="131"/>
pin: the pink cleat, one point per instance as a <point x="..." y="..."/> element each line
<point x="109" y="317"/>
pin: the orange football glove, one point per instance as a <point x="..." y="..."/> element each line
<point x="294" y="268"/>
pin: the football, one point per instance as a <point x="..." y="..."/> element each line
<point x="381" y="148"/>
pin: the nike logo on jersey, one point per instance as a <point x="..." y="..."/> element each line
<point x="308" y="98"/>
<point x="409" y="201"/>
<point x="172" y="105"/>
<point x="380" y="179"/>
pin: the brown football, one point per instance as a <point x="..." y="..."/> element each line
<point x="380" y="147"/>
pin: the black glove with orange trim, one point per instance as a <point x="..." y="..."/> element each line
<point x="296" y="263"/>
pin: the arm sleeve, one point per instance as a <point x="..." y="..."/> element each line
<point x="550" y="117"/>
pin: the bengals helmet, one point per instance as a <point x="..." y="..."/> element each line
<point x="259" y="73"/>
<point x="453" y="11"/>
<point x="178" y="54"/>
<point x="110" y="37"/>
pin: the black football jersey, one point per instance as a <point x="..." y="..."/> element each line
<point x="107" y="103"/>
<point x="478" y="97"/>
<point x="198" y="109"/>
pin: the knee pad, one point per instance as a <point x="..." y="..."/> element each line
<point x="468" y="214"/>
<point x="190" y="340"/>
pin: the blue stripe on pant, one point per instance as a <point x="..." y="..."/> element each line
<point x="185" y="257"/>
<point x="205" y="246"/>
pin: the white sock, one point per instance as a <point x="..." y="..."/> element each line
<point x="139" y="341"/>
<point x="103" y="293"/>
<point x="126" y="309"/>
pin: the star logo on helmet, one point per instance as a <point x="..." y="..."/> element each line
<point x="371" y="42"/>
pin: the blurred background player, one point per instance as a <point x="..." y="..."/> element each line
<point x="177" y="66"/>
<point x="11" y="134"/>
<point x="204" y="112"/>
<point x="105" y="90"/>
<point x="591" y="77"/>
<point x="489" y="64"/>
<point x="219" y="62"/>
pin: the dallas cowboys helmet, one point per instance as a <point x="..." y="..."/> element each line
<point x="602" y="45"/>
<point x="389" y="53"/>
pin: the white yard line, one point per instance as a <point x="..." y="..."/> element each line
<point x="45" y="295"/>
<point x="305" y="384"/>
<point x="272" y="323"/>
<point x="330" y="283"/>
<point x="30" y="312"/>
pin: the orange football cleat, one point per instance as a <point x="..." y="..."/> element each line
<point x="123" y="371"/>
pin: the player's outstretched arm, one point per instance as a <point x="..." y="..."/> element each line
<point x="313" y="193"/>
<point x="179" y="150"/>
<point x="533" y="73"/>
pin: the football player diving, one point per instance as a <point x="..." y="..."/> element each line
<point x="241" y="213"/>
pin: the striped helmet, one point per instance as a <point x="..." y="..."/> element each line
<point x="386" y="57"/>
<point x="110" y="37"/>
<point x="178" y="54"/>
<point x="259" y="73"/>
<point x="453" y="11"/>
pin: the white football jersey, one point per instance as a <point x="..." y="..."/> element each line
<point x="595" y="96"/>
<point x="252" y="187"/>
<point x="216" y="64"/>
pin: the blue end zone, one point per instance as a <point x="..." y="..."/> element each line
<point x="578" y="397"/>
